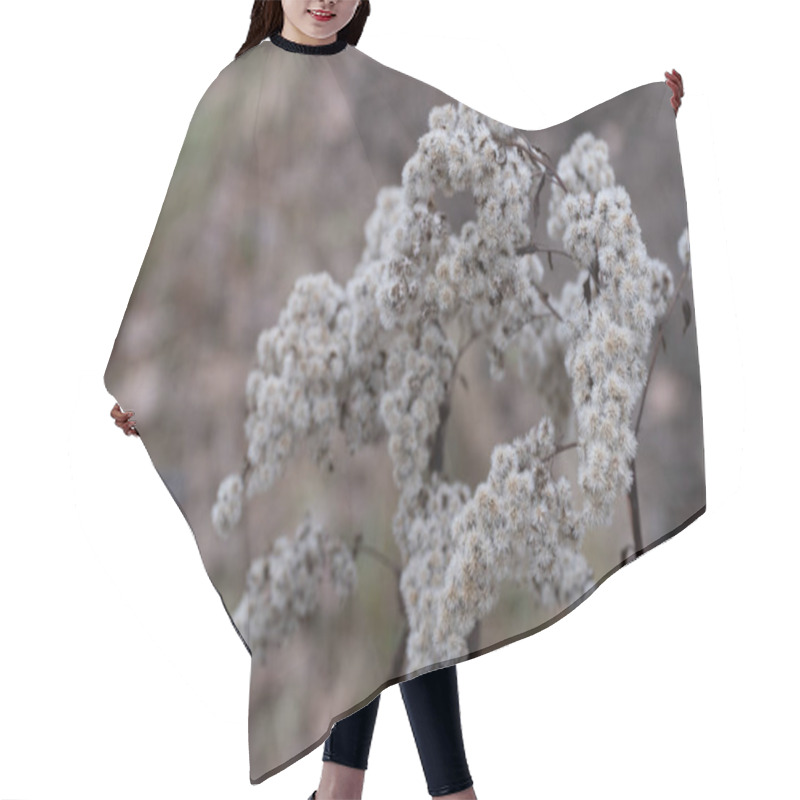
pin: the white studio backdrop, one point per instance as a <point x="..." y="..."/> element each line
<point x="121" y="676"/>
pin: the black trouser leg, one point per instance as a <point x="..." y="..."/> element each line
<point x="433" y="711"/>
<point x="432" y="706"/>
<point x="351" y="737"/>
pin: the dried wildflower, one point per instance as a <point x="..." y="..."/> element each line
<point x="282" y="587"/>
<point x="372" y="359"/>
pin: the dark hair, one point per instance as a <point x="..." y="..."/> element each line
<point x="266" y="18"/>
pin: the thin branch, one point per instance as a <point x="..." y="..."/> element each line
<point x="533" y="153"/>
<point x="463" y="348"/>
<point x="535" y="248"/>
<point x="361" y="546"/>
<point x="561" y="448"/>
<point x="633" y="492"/>
<point x="636" y="517"/>
<point x="544" y="296"/>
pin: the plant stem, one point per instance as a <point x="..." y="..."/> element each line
<point x="361" y="547"/>
<point x="543" y="295"/>
<point x="636" y="519"/>
<point x="435" y="464"/>
<point x="661" y="326"/>
<point x="535" y="248"/>
<point x="437" y="451"/>
<point x="562" y="447"/>
<point x="633" y="493"/>
<point x="528" y="150"/>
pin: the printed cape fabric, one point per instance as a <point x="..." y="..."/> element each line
<point x="419" y="381"/>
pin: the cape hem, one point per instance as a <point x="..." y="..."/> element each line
<point x="510" y="640"/>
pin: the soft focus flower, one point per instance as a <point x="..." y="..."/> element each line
<point x="683" y="246"/>
<point x="282" y="587"/>
<point x="227" y="511"/>
<point x="373" y="359"/>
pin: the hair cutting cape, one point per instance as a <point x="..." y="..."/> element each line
<point x="419" y="381"/>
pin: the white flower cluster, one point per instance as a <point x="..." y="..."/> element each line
<point x="523" y="316"/>
<point x="609" y="337"/>
<point x="518" y="525"/>
<point x="416" y="377"/>
<point x="293" y="392"/>
<point x="422" y="526"/>
<point x="407" y="288"/>
<point x="373" y="358"/>
<point x="319" y="369"/>
<point x="662" y="285"/>
<point x="683" y="246"/>
<point x="542" y="353"/>
<point x="478" y="273"/>
<point x="458" y="152"/>
<point x="585" y="167"/>
<point x="283" y="587"/>
<point x="227" y="511"/>
<point x="423" y="275"/>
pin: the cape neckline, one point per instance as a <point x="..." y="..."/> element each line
<point x="309" y="49"/>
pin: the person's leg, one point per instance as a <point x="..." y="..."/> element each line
<point x="433" y="710"/>
<point x="346" y="753"/>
